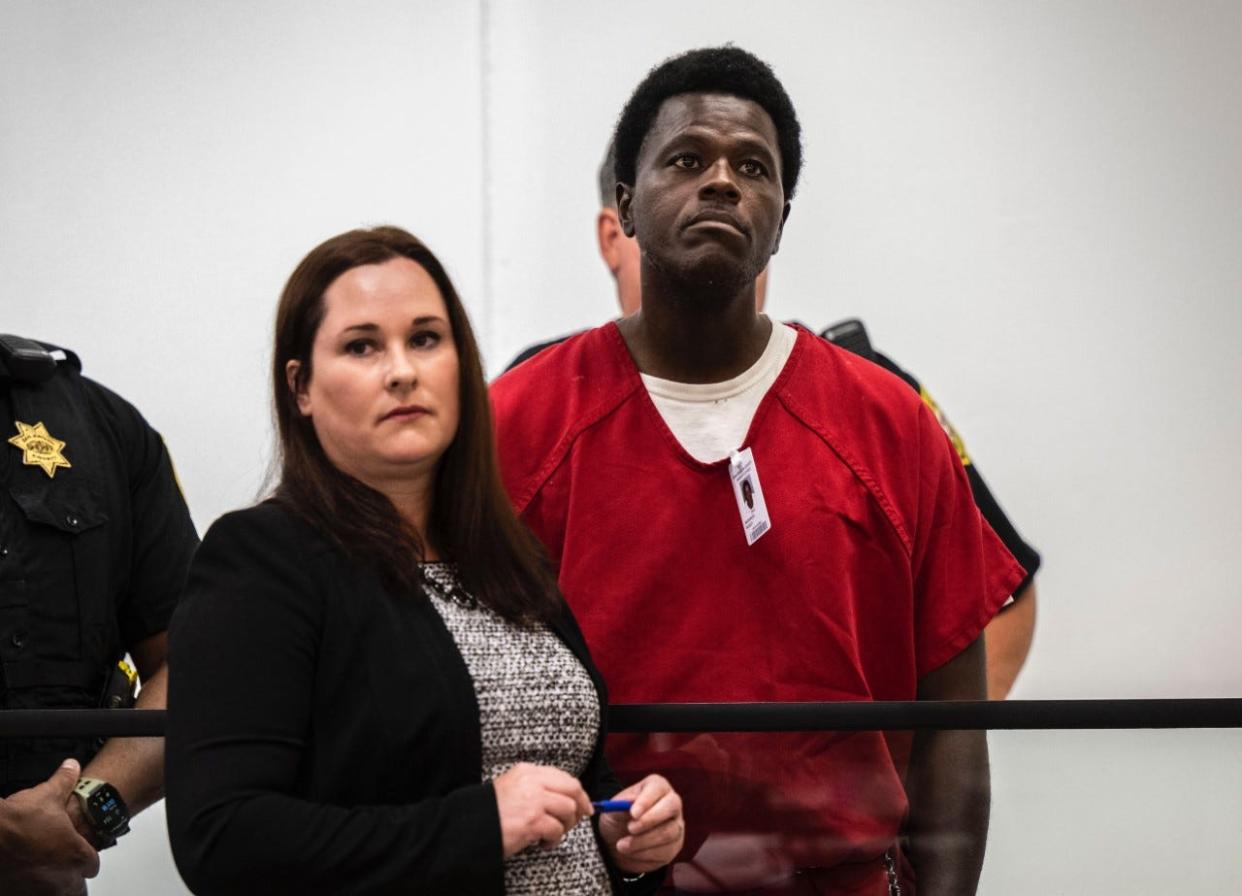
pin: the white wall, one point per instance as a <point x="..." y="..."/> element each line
<point x="164" y="166"/>
<point x="1036" y="207"/>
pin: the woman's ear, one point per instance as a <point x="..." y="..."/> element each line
<point x="297" y="385"/>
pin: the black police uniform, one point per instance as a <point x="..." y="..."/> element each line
<point x="850" y="334"/>
<point x="92" y="558"/>
<point x="989" y="509"/>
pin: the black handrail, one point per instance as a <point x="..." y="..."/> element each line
<point x="689" y="717"/>
<point x="927" y="715"/>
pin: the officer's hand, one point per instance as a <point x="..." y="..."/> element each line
<point x="40" y="851"/>
<point x="73" y="808"/>
<point x="651" y="834"/>
<point x="538" y="804"/>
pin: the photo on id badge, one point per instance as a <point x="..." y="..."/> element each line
<point x="748" y="491"/>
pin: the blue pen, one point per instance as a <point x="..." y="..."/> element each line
<point x="613" y="805"/>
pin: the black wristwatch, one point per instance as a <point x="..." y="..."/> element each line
<point x="104" y="809"/>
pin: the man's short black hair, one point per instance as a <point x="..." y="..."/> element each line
<point x="729" y="70"/>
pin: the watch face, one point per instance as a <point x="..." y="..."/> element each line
<point x="107" y="811"/>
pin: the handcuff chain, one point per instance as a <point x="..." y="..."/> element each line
<point x="890" y="868"/>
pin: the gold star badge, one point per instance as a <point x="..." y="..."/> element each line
<point x="39" y="447"/>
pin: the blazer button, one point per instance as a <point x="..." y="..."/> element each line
<point x="71" y="521"/>
<point x="19" y="639"/>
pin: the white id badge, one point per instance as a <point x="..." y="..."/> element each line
<point x="749" y="493"/>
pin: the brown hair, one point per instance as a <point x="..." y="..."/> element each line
<point x="500" y="563"/>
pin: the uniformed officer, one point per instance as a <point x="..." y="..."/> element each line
<point x="95" y="542"/>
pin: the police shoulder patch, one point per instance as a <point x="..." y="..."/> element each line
<point x="954" y="436"/>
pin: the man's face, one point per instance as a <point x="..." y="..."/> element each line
<point x="707" y="206"/>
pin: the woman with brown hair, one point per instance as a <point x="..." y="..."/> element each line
<point x="375" y="684"/>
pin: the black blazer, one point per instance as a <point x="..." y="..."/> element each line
<point x="323" y="735"/>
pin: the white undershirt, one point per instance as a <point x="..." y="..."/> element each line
<point x="711" y="419"/>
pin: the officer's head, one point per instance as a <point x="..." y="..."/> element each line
<point x="708" y="153"/>
<point x="619" y="252"/>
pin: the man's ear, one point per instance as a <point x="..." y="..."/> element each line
<point x="608" y="234"/>
<point x="625" y="196"/>
<point x="781" y="230"/>
<point x="297" y="385"/>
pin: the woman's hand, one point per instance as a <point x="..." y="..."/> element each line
<point x="538" y="804"/>
<point x="651" y="833"/>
